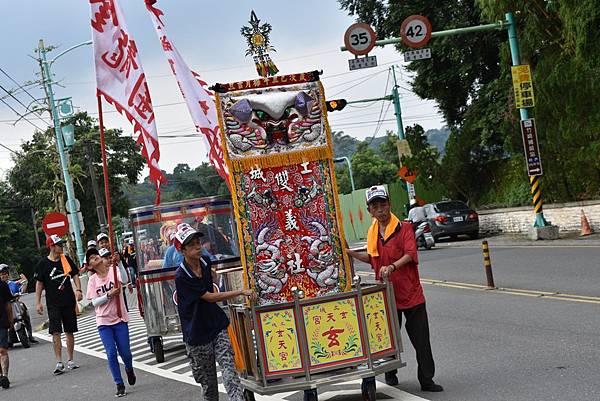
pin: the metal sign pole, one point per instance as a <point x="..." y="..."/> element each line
<point x="534" y="181"/>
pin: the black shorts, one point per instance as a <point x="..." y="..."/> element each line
<point x="62" y="317"/>
<point x="3" y="338"/>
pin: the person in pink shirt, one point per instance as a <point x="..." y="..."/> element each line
<point x="114" y="330"/>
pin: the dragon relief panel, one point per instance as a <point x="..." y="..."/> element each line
<point x="295" y="240"/>
<point x="273" y="120"/>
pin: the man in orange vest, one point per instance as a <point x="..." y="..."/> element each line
<point x="392" y="252"/>
<point x="53" y="274"/>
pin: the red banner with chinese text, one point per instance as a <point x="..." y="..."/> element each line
<point x="121" y="81"/>
<point x="194" y="90"/>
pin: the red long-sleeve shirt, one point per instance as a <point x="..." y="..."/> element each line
<point x="407" y="285"/>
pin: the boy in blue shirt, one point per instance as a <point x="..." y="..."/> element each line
<point x="203" y="322"/>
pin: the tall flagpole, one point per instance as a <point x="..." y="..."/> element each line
<point x="107" y="195"/>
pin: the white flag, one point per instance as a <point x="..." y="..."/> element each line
<point x="194" y="90"/>
<point x="120" y="79"/>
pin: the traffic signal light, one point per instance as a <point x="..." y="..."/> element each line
<point x="336" y="105"/>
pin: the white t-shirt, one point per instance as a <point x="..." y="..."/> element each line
<point x="417" y="214"/>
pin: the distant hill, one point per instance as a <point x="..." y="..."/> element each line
<point x="438" y="138"/>
<point x="345" y="145"/>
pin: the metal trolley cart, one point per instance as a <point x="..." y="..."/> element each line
<point x="283" y="350"/>
<point x="152" y="228"/>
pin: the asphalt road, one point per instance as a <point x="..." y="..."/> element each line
<point x="494" y="345"/>
<point x="565" y="269"/>
<point x="488" y="345"/>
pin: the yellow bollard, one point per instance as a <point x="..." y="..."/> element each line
<point x="487" y="264"/>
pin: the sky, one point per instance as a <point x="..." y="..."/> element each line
<point x="306" y="35"/>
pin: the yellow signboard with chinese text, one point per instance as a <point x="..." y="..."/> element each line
<point x="379" y="327"/>
<point x="523" y="86"/>
<point x="280" y="341"/>
<point x="333" y="332"/>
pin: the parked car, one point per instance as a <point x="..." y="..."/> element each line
<point x="451" y="219"/>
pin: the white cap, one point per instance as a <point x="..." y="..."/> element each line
<point x="103" y="252"/>
<point x="91" y="243"/>
<point x="376" y="192"/>
<point x="54" y="240"/>
<point x="130" y="242"/>
<point x="185" y="233"/>
<point x="101" y="236"/>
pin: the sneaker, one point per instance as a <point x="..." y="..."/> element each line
<point x="33" y="340"/>
<point x="72" y="365"/>
<point x="60" y="369"/>
<point x="433" y="387"/>
<point x="4" y="382"/>
<point x="121" y="391"/>
<point x="130" y="376"/>
<point x="391" y="379"/>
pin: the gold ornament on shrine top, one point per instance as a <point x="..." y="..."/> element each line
<point x="257" y="37"/>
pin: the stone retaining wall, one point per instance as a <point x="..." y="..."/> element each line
<point x="518" y="219"/>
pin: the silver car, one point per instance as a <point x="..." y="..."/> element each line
<point x="451" y="219"/>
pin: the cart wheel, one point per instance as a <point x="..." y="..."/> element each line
<point x="369" y="390"/>
<point x="22" y="333"/>
<point x="311" y="395"/>
<point x="159" y="352"/>
<point x="248" y="395"/>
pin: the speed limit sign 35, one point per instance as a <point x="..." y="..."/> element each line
<point x="415" y="31"/>
<point x="360" y="39"/>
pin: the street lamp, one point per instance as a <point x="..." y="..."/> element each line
<point x="72" y="207"/>
<point x="345" y="159"/>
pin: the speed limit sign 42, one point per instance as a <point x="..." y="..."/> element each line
<point x="415" y="31"/>
<point x="360" y="39"/>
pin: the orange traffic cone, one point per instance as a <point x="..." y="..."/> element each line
<point x="585" y="225"/>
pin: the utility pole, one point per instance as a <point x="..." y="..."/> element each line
<point x="347" y="160"/>
<point x="35" y="231"/>
<point x="60" y="146"/>
<point x="510" y="26"/>
<point x="92" y="172"/>
<point x="395" y="98"/>
<point x="410" y="188"/>
<point x="534" y="181"/>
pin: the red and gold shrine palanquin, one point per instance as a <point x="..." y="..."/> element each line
<point x="277" y="145"/>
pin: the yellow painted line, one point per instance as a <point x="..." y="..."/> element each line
<point x="512" y="291"/>
<point x="589" y="301"/>
<point x="444" y="246"/>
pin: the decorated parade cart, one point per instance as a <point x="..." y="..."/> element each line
<point x="313" y="323"/>
<point x="152" y="229"/>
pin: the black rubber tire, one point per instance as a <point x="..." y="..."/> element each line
<point x="474" y="235"/>
<point x="369" y="389"/>
<point x="159" y="352"/>
<point x="248" y="395"/>
<point x="311" y="395"/>
<point x="22" y="333"/>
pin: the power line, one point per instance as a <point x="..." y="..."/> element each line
<point x="9" y="149"/>
<point x="22" y="88"/>
<point x="360" y="83"/>
<point x="387" y="82"/>
<point x="19" y="114"/>
<point x="21" y="103"/>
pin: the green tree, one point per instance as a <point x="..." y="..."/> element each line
<point x="16" y="234"/>
<point x="183" y="183"/>
<point x="371" y="169"/>
<point x="469" y="77"/>
<point x="36" y="174"/>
